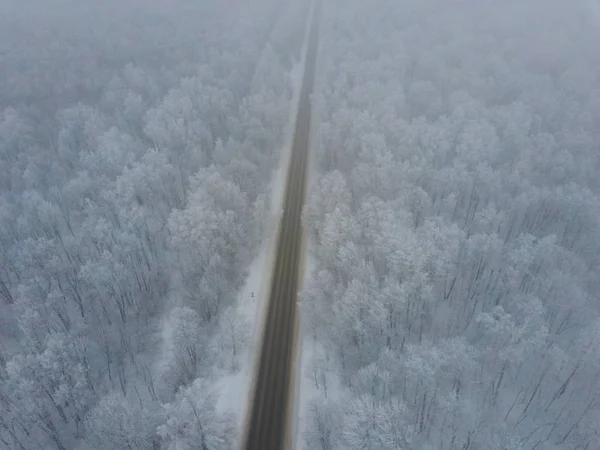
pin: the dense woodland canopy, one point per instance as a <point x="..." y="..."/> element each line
<point x="136" y="142"/>
<point x="454" y="220"/>
<point x="455" y="223"/>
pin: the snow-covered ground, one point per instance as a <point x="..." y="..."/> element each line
<point x="235" y="389"/>
<point x="306" y="389"/>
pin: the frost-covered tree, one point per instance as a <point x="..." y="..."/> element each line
<point x="52" y="392"/>
<point x="454" y="222"/>
<point x="234" y="335"/>
<point x="119" y="422"/>
<point x="208" y="238"/>
<point x="103" y="123"/>
<point x="192" y="421"/>
<point x="323" y="425"/>
<point x="185" y="343"/>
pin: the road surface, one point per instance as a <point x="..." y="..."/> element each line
<point x="269" y="424"/>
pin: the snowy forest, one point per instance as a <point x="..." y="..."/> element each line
<point x="137" y="140"/>
<point x="454" y="220"/>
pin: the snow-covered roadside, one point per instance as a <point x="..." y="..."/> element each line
<point x="309" y="392"/>
<point x="306" y="389"/>
<point x="235" y="389"/>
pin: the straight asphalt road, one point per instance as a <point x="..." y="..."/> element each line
<point x="269" y="424"/>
